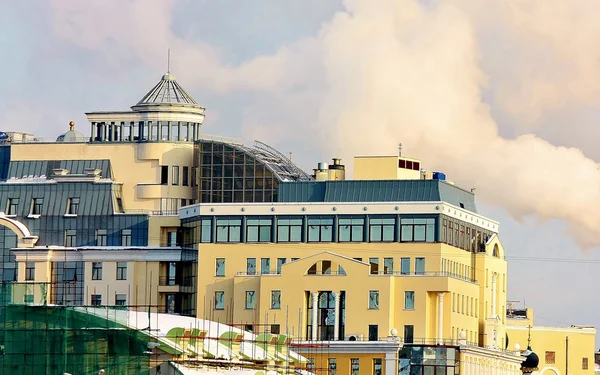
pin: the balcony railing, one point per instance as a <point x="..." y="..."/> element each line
<point x="378" y="273"/>
<point x="173" y="281"/>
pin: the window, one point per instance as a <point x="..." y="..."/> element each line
<point x="96" y="270"/>
<point x="289" y="230"/>
<point x="405" y="266"/>
<point x="374" y="262"/>
<point x="185" y="177"/>
<point x="100" y="237"/>
<point x="12" y="206"/>
<point x="373" y="300"/>
<point x="96" y="299"/>
<point x="373" y="332"/>
<point x="251" y="266"/>
<point x="220" y="267"/>
<point x="126" y="237"/>
<point x="73" y="206"/>
<point x="175" y="175"/>
<point x="388" y="266"/>
<point x="584" y="363"/>
<point x="351" y="229"/>
<point x="276" y="299"/>
<point x="205" y="231"/>
<point x="354" y="366"/>
<point x="420" y="266"/>
<point x="30" y="271"/>
<point x="36" y="206"/>
<point x="248" y="328"/>
<point x="320" y="229"/>
<point x="9" y="274"/>
<point x="120" y="299"/>
<point x="377" y="366"/>
<point x="275" y="329"/>
<point x="417" y="230"/>
<point x="265" y="266"/>
<point x="70" y="238"/>
<point x="70" y="272"/>
<point x="409" y="300"/>
<point x="332" y="366"/>
<point x="219" y="300"/>
<point x="121" y="270"/>
<point x="280" y="262"/>
<point x="120" y="207"/>
<point x="550" y="358"/>
<point x="28" y="298"/>
<point x="310" y="366"/>
<point x="164" y="174"/>
<point x="250" y="299"/>
<point x="258" y="230"/>
<point x="172" y="239"/>
<point x="229" y="230"/>
<point x="382" y="229"/>
<point x="409" y="331"/>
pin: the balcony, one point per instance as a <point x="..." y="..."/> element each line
<point x="172" y="284"/>
<point x="425" y="274"/>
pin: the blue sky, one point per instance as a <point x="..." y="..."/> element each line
<point x="326" y="78"/>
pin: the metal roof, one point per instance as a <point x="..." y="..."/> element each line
<point x="167" y="91"/>
<point x="37" y="168"/>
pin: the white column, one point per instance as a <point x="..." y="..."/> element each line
<point x="391" y="363"/>
<point x="441" y="317"/>
<point x="336" y="328"/>
<point x="315" y="303"/>
<point x="494" y="295"/>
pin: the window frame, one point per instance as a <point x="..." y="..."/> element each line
<point x="355" y="228"/>
<point x="96" y="300"/>
<point x="101" y="237"/>
<point x="219" y="305"/>
<point x="97" y="271"/>
<point x="217" y="273"/>
<point x="373" y="300"/>
<point x="250" y="301"/>
<point x="30" y="271"/>
<point x="122" y="271"/>
<point x="378" y="226"/>
<point x="407" y="294"/>
<point x="126" y="237"/>
<point x="73" y="206"/>
<point x="259" y="229"/>
<point x="276" y="300"/>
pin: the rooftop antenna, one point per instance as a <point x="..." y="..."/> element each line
<point x="290" y="156"/>
<point x="399" y="149"/>
<point x="169" y="61"/>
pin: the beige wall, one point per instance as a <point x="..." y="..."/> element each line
<point x="383" y="168"/>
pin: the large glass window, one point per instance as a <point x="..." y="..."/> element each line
<point x="206" y="230"/>
<point x="373" y="332"/>
<point x="409" y="331"/>
<point x="405" y="266"/>
<point x="175" y="175"/>
<point x="164" y="174"/>
<point x="36" y="207"/>
<point x="354" y="366"/>
<point x="351" y="229"/>
<point x="265" y="266"/>
<point x="251" y="266"/>
<point x="13" y="205"/>
<point x="73" y="206"/>
<point x="219" y="300"/>
<point x="70" y="238"/>
<point x="30" y="271"/>
<point x="377" y="366"/>
<point x="409" y="300"/>
<point x="373" y="300"/>
<point x="276" y="299"/>
<point x="320" y="229"/>
<point x="126" y="237"/>
<point x="332" y="362"/>
<point x="382" y="229"/>
<point x="289" y="230"/>
<point x="417" y="229"/>
<point x="250" y="299"/>
<point x="220" y="267"/>
<point x="229" y="230"/>
<point x="258" y="230"/>
<point x="420" y="266"/>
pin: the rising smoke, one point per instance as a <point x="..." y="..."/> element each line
<point x="436" y="76"/>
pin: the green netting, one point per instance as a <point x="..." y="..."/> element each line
<point x="52" y="340"/>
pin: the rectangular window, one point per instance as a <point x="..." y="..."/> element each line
<point x="121" y="270"/>
<point x="388" y="266"/>
<point x="70" y="272"/>
<point x="354" y="366"/>
<point x="374" y="262"/>
<point x="100" y="237"/>
<point x="405" y="266"/>
<point x="220" y="267"/>
<point x="373" y="300"/>
<point x="250" y="299"/>
<point x="185" y="177"/>
<point x="219" y="300"/>
<point x="377" y="366"/>
<point x="275" y="329"/>
<point x="73" y="206"/>
<point x="251" y="266"/>
<point x="332" y="366"/>
<point x="373" y="332"/>
<point x="289" y="230"/>
<point x="258" y="230"/>
<point x="28" y="298"/>
<point x="120" y="207"/>
<point x="12" y="206"/>
<point x="206" y="231"/>
<point x="126" y="237"/>
<point x="382" y="229"/>
<point x="310" y="365"/>
<point x="120" y="299"/>
<point x="175" y="175"/>
<point x="70" y="238"/>
<point x="550" y="358"/>
<point x="351" y="229"/>
<point x="164" y="174"/>
<point x="36" y="206"/>
<point x="409" y="300"/>
<point x="276" y="299"/>
<point x="320" y="229"/>
<point x="409" y="331"/>
<point x="96" y="270"/>
<point x="420" y="266"/>
<point x="30" y="271"/>
<point x="417" y="230"/>
<point x="229" y="230"/>
<point x="584" y="363"/>
<point x="172" y="239"/>
<point x="265" y="266"/>
<point x="96" y="299"/>
<point x="280" y="262"/>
